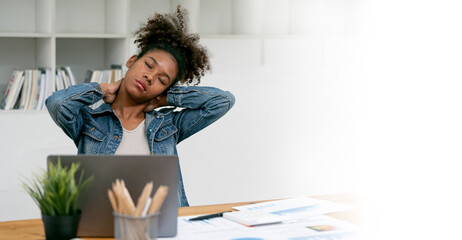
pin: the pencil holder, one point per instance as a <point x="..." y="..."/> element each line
<point x="130" y="227"/>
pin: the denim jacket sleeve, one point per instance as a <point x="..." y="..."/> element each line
<point x="65" y="106"/>
<point x="201" y="107"/>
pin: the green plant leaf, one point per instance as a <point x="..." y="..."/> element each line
<point x="57" y="192"/>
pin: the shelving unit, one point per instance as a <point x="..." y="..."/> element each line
<point x="93" y="34"/>
<point x="84" y="34"/>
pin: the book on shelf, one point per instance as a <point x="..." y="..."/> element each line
<point x="43" y="86"/>
<point x="70" y="74"/>
<point x="25" y="93"/>
<point x="103" y="76"/>
<point x="95" y="76"/>
<point x="51" y="84"/>
<point x="59" y="80"/>
<point x="117" y="72"/>
<point x="48" y="87"/>
<point x="28" y="89"/>
<point x="66" y="79"/>
<point x="7" y="90"/>
<point x="88" y="76"/>
<point x="13" y="90"/>
<point x="34" y="90"/>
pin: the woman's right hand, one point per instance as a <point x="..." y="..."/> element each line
<point x="110" y="90"/>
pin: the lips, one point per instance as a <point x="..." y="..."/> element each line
<point x="141" y="85"/>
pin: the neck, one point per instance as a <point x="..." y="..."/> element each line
<point x="126" y="108"/>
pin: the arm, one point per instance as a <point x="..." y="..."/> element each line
<point x="65" y="106"/>
<point x="202" y="106"/>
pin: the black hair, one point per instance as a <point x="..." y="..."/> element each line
<point x="169" y="32"/>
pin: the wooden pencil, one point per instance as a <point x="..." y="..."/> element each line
<point x="113" y="200"/>
<point x="143" y="199"/>
<point x="158" y="199"/>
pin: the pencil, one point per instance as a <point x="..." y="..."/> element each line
<point x="158" y="199"/>
<point x="143" y="199"/>
<point x="113" y="200"/>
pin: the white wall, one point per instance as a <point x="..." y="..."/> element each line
<point x="409" y="146"/>
<point x="27" y="138"/>
<point x="292" y="131"/>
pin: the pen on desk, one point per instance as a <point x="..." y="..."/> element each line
<point x="208" y="216"/>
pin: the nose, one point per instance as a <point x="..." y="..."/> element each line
<point x="148" y="78"/>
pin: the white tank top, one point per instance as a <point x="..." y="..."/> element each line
<point x="134" y="142"/>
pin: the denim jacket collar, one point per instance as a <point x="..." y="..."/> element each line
<point x="149" y="116"/>
<point x="101" y="109"/>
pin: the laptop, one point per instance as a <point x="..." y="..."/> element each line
<point x="97" y="219"/>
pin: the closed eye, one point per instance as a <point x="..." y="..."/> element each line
<point x="161" y="81"/>
<point x="147" y="65"/>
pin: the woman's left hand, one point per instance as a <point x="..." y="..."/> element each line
<point x="159" y="101"/>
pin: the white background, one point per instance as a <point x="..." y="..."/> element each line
<point x="410" y="131"/>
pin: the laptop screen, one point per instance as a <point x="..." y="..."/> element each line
<point x="97" y="219"/>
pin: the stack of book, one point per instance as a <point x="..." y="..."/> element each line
<point x="64" y="78"/>
<point x="28" y="89"/>
<point x="104" y="76"/>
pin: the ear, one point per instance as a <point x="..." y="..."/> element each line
<point x="131" y="61"/>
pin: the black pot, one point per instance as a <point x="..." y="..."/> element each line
<point x="61" y="227"/>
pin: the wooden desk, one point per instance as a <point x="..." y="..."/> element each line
<point x="33" y="229"/>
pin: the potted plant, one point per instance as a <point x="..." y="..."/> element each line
<point x="58" y="193"/>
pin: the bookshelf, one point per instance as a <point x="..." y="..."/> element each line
<point x="94" y="34"/>
<point x="84" y="34"/>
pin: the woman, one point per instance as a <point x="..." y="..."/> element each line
<point x="126" y="123"/>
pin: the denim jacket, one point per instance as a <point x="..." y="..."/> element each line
<point x="99" y="131"/>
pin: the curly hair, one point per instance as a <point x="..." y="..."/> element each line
<point x="169" y="32"/>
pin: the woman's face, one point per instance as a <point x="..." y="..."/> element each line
<point x="150" y="75"/>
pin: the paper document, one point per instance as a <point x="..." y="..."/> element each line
<point x="313" y="228"/>
<point x="300" y="207"/>
<point x="303" y="220"/>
